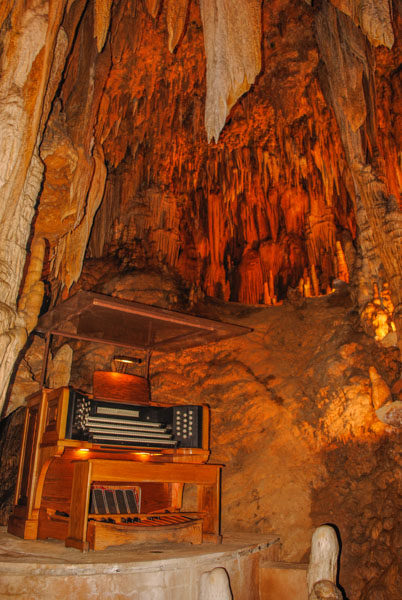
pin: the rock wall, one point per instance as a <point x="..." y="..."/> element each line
<point x="298" y="435"/>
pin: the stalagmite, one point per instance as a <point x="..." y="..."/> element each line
<point x="314" y="281"/>
<point x="386" y="298"/>
<point x="322" y="569"/>
<point x="343" y="272"/>
<point x="271" y="284"/>
<point x="232" y="40"/>
<point x="102" y="10"/>
<point x="307" y="288"/>
<point x="215" y="585"/>
<point x="267" y="297"/>
<point x="377" y="316"/>
<point x="176" y="19"/>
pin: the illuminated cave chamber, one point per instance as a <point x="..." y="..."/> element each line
<point x="239" y="161"/>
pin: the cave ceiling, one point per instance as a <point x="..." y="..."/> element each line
<point x="127" y="140"/>
<point x="239" y="148"/>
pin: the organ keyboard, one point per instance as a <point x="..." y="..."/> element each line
<point x="103" y="422"/>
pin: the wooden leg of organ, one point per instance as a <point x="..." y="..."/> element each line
<point x="77" y="531"/>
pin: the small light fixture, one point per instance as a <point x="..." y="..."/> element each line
<point x="122" y="363"/>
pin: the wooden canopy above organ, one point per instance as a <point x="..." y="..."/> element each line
<point x="110" y="467"/>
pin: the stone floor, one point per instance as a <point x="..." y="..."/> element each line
<point x="30" y="570"/>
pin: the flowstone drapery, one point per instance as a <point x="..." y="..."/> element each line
<point x="32" y="46"/>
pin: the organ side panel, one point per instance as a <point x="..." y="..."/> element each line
<point x="24" y="521"/>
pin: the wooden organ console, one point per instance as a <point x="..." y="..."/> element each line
<point x="109" y="468"/>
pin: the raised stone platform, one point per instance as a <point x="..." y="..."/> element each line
<point x="33" y="570"/>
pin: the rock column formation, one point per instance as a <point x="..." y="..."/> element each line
<point x="33" y="51"/>
<point x="348" y="80"/>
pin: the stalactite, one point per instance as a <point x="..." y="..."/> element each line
<point x="373" y="16"/>
<point x="71" y="248"/>
<point x="251" y="279"/>
<point x="152" y="7"/>
<point x="280" y="182"/>
<point x="31" y="298"/>
<point x="232" y="39"/>
<point x="102" y="10"/>
<point x="343" y="272"/>
<point x="176" y="18"/>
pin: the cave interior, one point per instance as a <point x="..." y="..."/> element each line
<point x="237" y="160"/>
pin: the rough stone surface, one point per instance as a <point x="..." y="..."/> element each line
<point x="27" y="376"/>
<point x="283" y="581"/>
<point x="11" y="431"/>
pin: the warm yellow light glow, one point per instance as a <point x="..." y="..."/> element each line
<point x="83" y="450"/>
<point x="380" y="323"/>
<point x="125" y="360"/>
<point x="144" y="456"/>
<point x="122" y="363"/>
